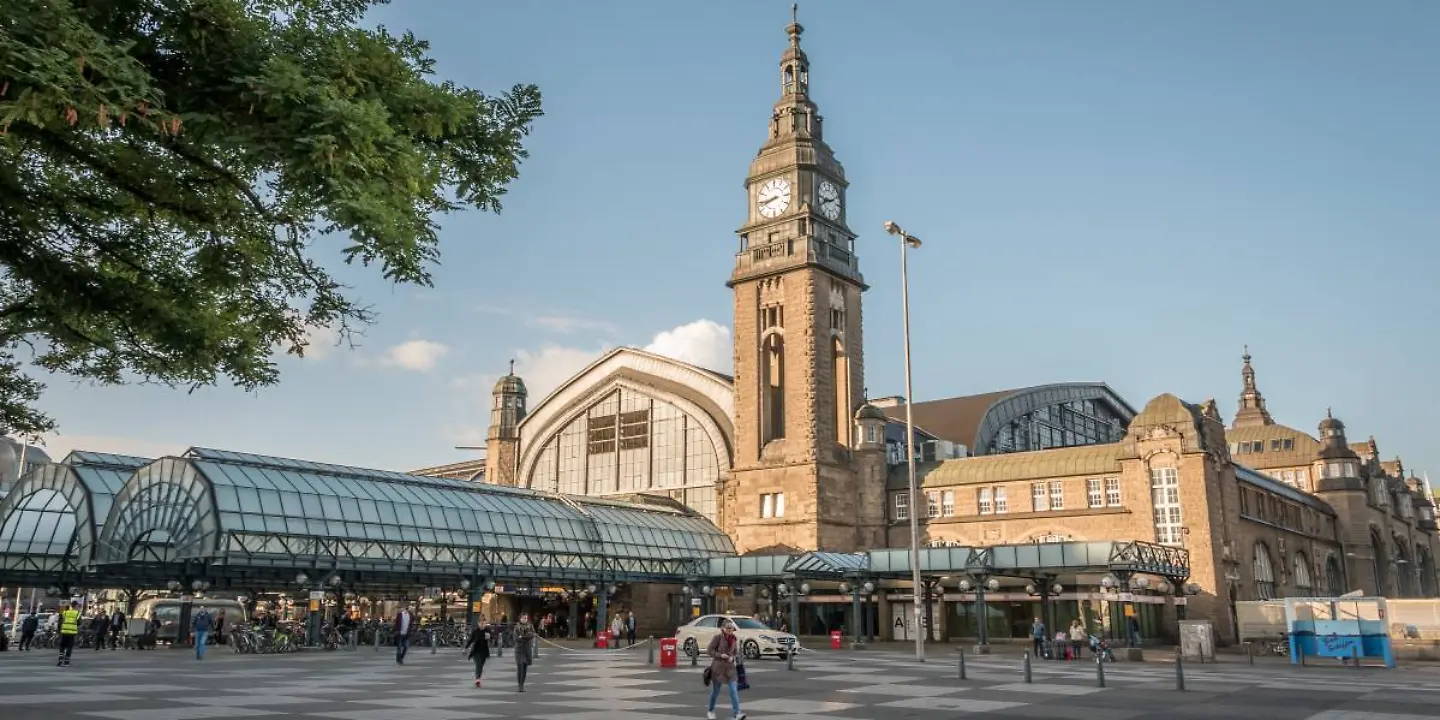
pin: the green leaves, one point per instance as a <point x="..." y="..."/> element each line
<point x="164" y="168"/>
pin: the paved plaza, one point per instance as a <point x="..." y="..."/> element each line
<point x="596" y="685"/>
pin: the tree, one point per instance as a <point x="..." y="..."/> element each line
<point x="165" y="166"/>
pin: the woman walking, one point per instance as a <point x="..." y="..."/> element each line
<point x="723" y="655"/>
<point x="479" y="647"/>
<point x="524" y="649"/>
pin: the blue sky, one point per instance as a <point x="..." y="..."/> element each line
<point x="1124" y="191"/>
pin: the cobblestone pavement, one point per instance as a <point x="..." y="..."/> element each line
<point x="568" y="684"/>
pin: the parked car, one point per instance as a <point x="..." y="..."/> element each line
<point x="756" y="639"/>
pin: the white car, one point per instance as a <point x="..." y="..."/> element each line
<point x="756" y="639"/>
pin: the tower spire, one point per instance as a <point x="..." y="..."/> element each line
<point x="1252" y="412"/>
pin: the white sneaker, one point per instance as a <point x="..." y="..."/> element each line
<point x="741" y="716"/>
<point x="710" y="715"/>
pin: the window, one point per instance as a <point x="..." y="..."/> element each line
<point x="902" y="506"/>
<point x="870" y="434"/>
<point x="1280" y="444"/>
<point x="1165" y="499"/>
<point x="932" y="504"/>
<point x="1264" y="573"/>
<point x="983" y="502"/>
<point x="947" y="503"/>
<point x="1039" y="499"/>
<point x="1094" y="493"/>
<point x="1001" y="504"/>
<point x="1302" y="574"/>
<point x="1377" y="491"/>
<point x="772" y="505"/>
<point x="1057" y="495"/>
<point x="1112" y="492"/>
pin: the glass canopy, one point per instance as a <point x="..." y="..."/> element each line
<point x="241" y="510"/>
<point x="50" y="520"/>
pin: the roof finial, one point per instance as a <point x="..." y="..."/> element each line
<point x="1327" y="413"/>
<point x="795" y="13"/>
<point x="1247" y="352"/>
<point x="795" y="29"/>
<point x="512" y="366"/>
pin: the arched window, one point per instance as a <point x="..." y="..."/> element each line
<point x="1334" y="577"/>
<point x="1404" y="571"/>
<point x="1381" y="564"/>
<point x="1302" y="574"/>
<point x="1427" y="571"/>
<point x="772" y="388"/>
<point x="1264" y="573"/>
<point x="843" y="412"/>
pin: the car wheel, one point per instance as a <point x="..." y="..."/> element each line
<point x="751" y="650"/>
<point x="692" y="648"/>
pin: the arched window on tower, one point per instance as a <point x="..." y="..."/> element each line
<point x="1264" y="573"/>
<point x="789" y="79"/>
<point x="1334" y="577"/>
<point x="772" y="388"/>
<point x="1303" y="583"/>
<point x="841" y="364"/>
<point x="1404" y="571"/>
<point x="1380" y="564"/>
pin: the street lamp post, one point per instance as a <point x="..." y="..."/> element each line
<point x="908" y="241"/>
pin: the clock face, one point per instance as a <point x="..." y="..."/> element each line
<point x="829" y="196"/>
<point x="774" y="197"/>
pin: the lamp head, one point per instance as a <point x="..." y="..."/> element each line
<point x="892" y="228"/>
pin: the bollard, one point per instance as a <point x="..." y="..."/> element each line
<point x="1099" y="671"/>
<point x="695" y="656"/>
<point x="650" y="660"/>
<point x="790" y="656"/>
<point x="1179" y="671"/>
<point x="962" y="663"/>
<point x="1250" y="652"/>
<point x="1027" y="667"/>
<point x="434" y="646"/>
<point x="1355" y="655"/>
<point x="377" y="639"/>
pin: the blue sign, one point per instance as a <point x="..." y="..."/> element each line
<point x="1338" y="646"/>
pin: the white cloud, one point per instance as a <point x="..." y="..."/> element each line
<point x="417" y="355"/>
<point x="320" y="342"/>
<point x="704" y="342"/>
<point x="58" y="446"/>
<point x="545" y="369"/>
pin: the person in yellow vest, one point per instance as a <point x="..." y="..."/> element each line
<point x="69" y="629"/>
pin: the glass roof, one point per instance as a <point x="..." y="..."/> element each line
<point x="261" y="501"/>
<point x="58" y="509"/>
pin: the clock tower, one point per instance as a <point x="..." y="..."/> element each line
<point x="798" y="358"/>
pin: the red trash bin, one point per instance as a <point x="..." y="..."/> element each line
<point x="602" y="639"/>
<point x="668" y="656"/>
<point x="835" y="639"/>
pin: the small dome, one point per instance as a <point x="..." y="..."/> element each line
<point x="1330" y="423"/>
<point x="510" y="385"/>
<point x="870" y="412"/>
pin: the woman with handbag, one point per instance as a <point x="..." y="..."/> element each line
<point x="479" y="647"/>
<point x="724" y="652"/>
<point x="524" y="649"/>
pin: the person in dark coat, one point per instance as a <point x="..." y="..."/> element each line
<point x="524" y="649"/>
<point x="724" y="653"/>
<point x="479" y="647"/>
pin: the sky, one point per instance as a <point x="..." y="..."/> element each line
<point x="1122" y="191"/>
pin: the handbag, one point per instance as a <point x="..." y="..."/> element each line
<point x="706" y="676"/>
<point x="740" y="683"/>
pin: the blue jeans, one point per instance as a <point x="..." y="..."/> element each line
<point x="402" y="645"/>
<point x="734" y="696"/>
<point x="202" y="638"/>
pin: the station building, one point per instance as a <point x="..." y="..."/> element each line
<point x="787" y="455"/>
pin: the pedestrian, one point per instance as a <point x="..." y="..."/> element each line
<point x="28" y="629"/>
<point x="723" y="657"/>
<point x="524" y="649"/>
<point x="202" y="624"/>
<point x="69" y="628"/>
<point x="1037" y="636"/>
<point x="1133" y="624"/>
<point x="1077" y="638"/>
<point x="404" y="623"/>
<point x="630" y="627"/>
<point x="99" y="630"/>
<point x="617" y="628"/>
<point x="479" y="647"/>
<point x="117" y="622"/>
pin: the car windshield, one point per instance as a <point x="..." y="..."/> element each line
<point x="745" y="623"/>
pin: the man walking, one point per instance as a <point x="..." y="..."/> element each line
<point x="28" y="629"/>
<point x="117" y="622"/>
<point x="203" y="624"/>
<point x="404" y="623"/>
<point x="1037" y="637"/>
<point x="69" y="628"/>
<point x="630" y="628"/>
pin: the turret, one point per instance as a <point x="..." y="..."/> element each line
<point x="502" y="441"/>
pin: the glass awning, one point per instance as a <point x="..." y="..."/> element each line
<point x="240" y="510"/>
<point x="52" y="517"/>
